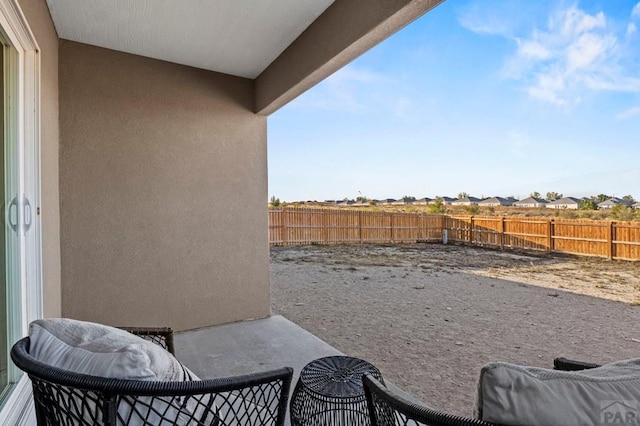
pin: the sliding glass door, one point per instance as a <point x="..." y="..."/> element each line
<point x="3" y="265"/>
<point x="20" y="245"/>
<point x="10" y="178"/>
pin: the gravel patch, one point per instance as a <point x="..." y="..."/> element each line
<point x="429" y="316"/>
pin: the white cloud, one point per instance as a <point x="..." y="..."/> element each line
<point x="631" y="29"/>
<point x="478" y="20"/>
<point x="616" y="84"/>
<point x="635" y="13"/>
<point x="631" y="112"/>
<point x="548" y="87"/>
<point x="574" y="21"/>
<point x="341" y="91"/>
<point x="574" y="53"/>
<point x="533" y="50"/>
<point x="357" y="90"/>
<point x="588" y="49"/>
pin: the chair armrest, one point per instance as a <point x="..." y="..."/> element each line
<point x="387" y="406"/>
<point x="565" y="364"/>
<point x="162" y="336"/>
<point x="257" y="399"/>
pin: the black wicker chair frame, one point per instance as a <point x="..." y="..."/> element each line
<point x="389" y="408"/>
<point x="66" y="398"/>
<point x="161" y="336"/>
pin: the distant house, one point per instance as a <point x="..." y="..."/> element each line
<point x="423" y="201"/>
<point x="448" y="200"/>
<point x="607" y="204"/>
<point x="466" y="201"/>
<point x="496" y="201"/>
<point x="388" y="201"/>
<point x="636" y="205"/>
<point x="569" y="203"/>
<point x="401" y="202"/>
<point x="531" y="202"/>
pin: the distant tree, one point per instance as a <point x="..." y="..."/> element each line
<point x="362" y="199"/>
<point x="437" y="206"/>
<point x="552" y="195"/>
<point x="601" y="197"/>
<point x="274" y="202"/>
<point x="629" y="199"/>
<point x="588" y="205"/>
<point x="408" y="198"/>
<point x="462" y="195"/>
<point x="535" y="194"/>
<point x="622" y="212"/>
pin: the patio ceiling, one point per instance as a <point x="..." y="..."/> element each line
<point x="285" y="46"/>
<point x="237" y="37"/>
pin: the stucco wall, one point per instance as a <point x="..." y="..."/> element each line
<point x="39" y="20"/>
<point x="163" y="187"/>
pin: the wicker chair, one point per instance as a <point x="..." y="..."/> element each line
<point x="66" y="398"/>
<point x="389" y="408"/>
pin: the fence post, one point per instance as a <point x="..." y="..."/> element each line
<point x="360" y="225"/>
<point x="471" y="230"/>
<point x="610" y="243"/>
<point x="550" y="235"/>
<point x="502" y="233"/>
<point x="393" y="240"/>
<point x="445" y="230"/>
<point x="285" y="222"/>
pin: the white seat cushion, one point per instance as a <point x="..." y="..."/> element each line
<point x="99" y="350"/>
<point x="518" y="395"/>
<point x="103" y="351"/>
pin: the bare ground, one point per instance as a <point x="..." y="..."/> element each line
<point x="429" y="316"/>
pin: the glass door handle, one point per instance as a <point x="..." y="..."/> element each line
<point x="12" y="214"/>
<point x="27" y="212"/>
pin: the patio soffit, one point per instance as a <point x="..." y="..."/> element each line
<point x="237" y="37"/>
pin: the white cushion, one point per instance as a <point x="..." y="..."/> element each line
<point x="99" y="350"/>
<point x="519" y="395"/>
<point x="103" y="351"/>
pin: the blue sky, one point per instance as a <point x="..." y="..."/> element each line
<point x="489" y="97"/>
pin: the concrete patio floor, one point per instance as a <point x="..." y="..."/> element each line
<point x="249" y="347"/>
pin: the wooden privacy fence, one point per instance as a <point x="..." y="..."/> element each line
<point x="298" y="226"/>
<point x="613" y="240"/>
<point x="328" y="226"/>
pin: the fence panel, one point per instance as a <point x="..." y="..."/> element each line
<point x="487" y="231"/>
<point x="375" y="227"/>
<point x="626" y="240"/>
<point x="276" y="227"/>
<point x="458" y="228"/>
<point x="613" y="240"/>
<point x="584" y="237"/>
<point x="527" y="234"/>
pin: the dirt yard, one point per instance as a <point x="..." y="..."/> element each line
<point x="429" y="316"/>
